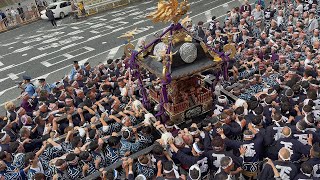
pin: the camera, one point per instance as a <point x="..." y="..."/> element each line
<point x="19" y="83"/>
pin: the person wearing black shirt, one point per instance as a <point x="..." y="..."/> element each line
<point x="296" y="148"/>
<point x="218" y="152"/>
<point x="305" y="172"/>
<point x="286" y="169"/>
<point x="20" y="11"/>
<point x="314" y="160"/>
<point x="253" y="143"/>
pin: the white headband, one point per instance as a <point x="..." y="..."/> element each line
<point x="288" y="134"/>
<point x="230" y="163"/>
<point x="217" y="148"/>
<point x="306" y="120"/>
<point x="168" y="171"/>
<point x="127" y="130"/>
<point x="193" y="133"/>
<point x="195" y="166"/>
<point x="247" y="136"/>
<point x="61" y="165"/>
<point x="272" y="93"/>
<point x="196" y="148"/>
<point x="43" y="104"/>
<point x="297" y="127"/>
<point x="4" y="137"/>
<point x="165" y="125"/>
<point x="142" y="163"/>
<point x="142" y="176"/>
<point x="74" y="161"/>
<point x="222" y="99"/>
<point x="19" y="110"/>
<point x="281" y="157"/>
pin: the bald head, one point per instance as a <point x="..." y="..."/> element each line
<point x="284" y="154"/>
<point x="286" y="131"/>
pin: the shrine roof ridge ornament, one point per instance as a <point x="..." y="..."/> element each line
<point x="169" y="11"/>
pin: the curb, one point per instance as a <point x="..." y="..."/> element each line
<point x="19" y="25"/>
<point x="108" y="6"/>
<point x="90" y="11"/>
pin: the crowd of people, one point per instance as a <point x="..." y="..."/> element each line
<point x="94" y="117"/>
<point x="17" y="15"/>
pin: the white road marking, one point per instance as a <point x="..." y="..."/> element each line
<point x="24" y="54"/>
<point x="68" y="46"/>
<point x="225" y="6"/>
<point x="66" y="56"/>
<point x="52" y="30"/>
<point x="97" y="17"/>
<point x="208" y="15"/>
<point x="74" y="27"/>
<point x="121" y="28"/>
<point x="22" y="49"/>
<point x="195" y="2"/>
<point x="143" y="29"/>
<point x="46" y="64"/>
<point x="136" y="13"/>
<point x="94" y="37"/>
<point x="108" y="28"/>
<point x="210" y="2"/>
<point x="50" y="40"/>
<point x="105" y="52"/>
<point x="59" y="23"/>
<point x="113" y="52"/>
<point x="10" y="47"/>
<point x="2" y="92"/>
<point x="61" y="43"/>
<point x="37" y="57"/>
<point x="125" y="12"/>
<point x="12" y="76"/>
<point x="97" y="25"/>
<point x="1" y="64"/>
<point x="117" y="19"/>
<point x="142" y="16"/>
<point x="94" y="32"/>
<point x="116" y="30"/>
<point x="8" y="44"/>
<point x="139" y="22"/>
<point x="75" y="32"/>
<point x="76" y="23"/>
<point x="151" y="8"/>
<point x="104" y="42"/>
<point x="147" y="2"/>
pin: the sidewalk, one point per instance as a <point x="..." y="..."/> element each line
<point x="3" y="28"/>
<point x="91" y="9"/>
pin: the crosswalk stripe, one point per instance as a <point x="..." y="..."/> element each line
<point x="113" y="52"/>
<point x="208" y="15"/>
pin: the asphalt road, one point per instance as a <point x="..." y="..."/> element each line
<point x="39" y="50"/>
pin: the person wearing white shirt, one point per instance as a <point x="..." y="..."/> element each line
<point x="313" y="22"/>
<point x="14" y="15"/>
<point x="315" y="36"/>
<point x="257" y="13"/>
<point x="299" y="7"/>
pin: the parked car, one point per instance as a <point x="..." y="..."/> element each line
<point x="60" y="9"/>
